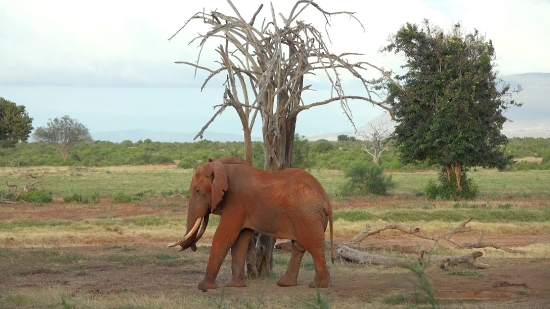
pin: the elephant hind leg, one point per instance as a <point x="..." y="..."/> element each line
<point x="322" y="276"/>
<point x="238" y="257"/>
<point x="290" y="278"/>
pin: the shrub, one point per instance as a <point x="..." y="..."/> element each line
<point x="366" y="178"/>
<point x="187" y="163"/>
<point x="36" y="197"/>
<point x="124" y="198"/>
<point x="448" y="190"/>
<point x="323" y="146"/>
<point x="79" y="198"/>
<point x="94" y="196"/>
<point x="546" y="157"/>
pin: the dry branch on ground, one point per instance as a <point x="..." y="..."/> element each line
<point x="353" y="255"/>
<point x="461" y="228"/>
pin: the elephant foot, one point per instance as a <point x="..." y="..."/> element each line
<point x="287" y="281"/>
<point x="236" y="283"/>
<point x="320" y="284"/>
<point x="207" y="285"/>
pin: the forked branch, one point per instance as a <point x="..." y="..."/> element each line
<point x="461" y="228"/>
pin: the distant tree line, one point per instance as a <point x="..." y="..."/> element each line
<point x="321" y="154"/>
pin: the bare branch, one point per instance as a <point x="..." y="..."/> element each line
<point x="201" y="132"/>
<point x="461" y="228"/>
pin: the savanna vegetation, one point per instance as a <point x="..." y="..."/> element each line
<point x="321" y="154"/>
<point x="103" y="229"/>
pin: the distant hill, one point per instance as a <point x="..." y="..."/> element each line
<point x="530" y="120"/>
<point x="156" y="136"/>
<point x="533" y="118"/>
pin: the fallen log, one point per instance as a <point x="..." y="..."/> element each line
<point x="360" y="257"/>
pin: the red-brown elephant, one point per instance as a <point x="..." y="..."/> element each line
<point x="289" y="204"/>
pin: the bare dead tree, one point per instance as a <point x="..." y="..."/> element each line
<point x="376" y="140"/>
<point x="265" y="65"/>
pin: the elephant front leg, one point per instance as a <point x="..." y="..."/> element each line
<point x="226" y="234"/>
<point x="238" y="257"/>
<point x="290" y="277"/>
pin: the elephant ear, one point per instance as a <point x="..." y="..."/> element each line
<point x="219" y="183"/>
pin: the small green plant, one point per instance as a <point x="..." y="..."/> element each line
<point x="94" y="197"/>
<point x="522" y="292"/>
<point x="366" y="178"/>
<point x="125" y="198"/>
<point x="320" y="301"/>
<point x="76" y="198"/>
<point x="36" y="197"/>
<point x="66" y="304"/>
<point x="504" y="206"/>
<point x="423" y="283"/>
<point x="187" y="163"/>
<point x="446" y="189"/>
<point x="467" y="273"/>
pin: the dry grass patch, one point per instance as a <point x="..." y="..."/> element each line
<point x="529" y="159"/>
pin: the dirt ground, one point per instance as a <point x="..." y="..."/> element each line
<point x="509" y="283"/>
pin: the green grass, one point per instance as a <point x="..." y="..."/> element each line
<point x="467" y="273"/>
<point x="166" y="259"/>
<point x="30" y="223"/>
<point x="62" y="182"/>
<point x="405" y="299"/>
<point x="352" y="215"/>
<point x="43" y="256"/>
<point x="37" y="271"/>
<point x="488" y="215"/>
<point x="160" y="182"/>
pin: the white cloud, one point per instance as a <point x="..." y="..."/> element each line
<point x="125" y="43"/>
<point x="121" y="41"/>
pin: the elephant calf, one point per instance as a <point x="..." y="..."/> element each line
<point x="288" y="204"/>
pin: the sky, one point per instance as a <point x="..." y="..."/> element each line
<point x="110" y="65"/>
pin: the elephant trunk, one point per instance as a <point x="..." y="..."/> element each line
<point x="193" y="235"/>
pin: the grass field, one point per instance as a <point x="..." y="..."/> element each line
<point x="112" y="255"/>
<point x="109" y="181"/>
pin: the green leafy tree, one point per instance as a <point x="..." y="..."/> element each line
<point x="62" y="133"/>
<point x="345" y="138"/>
<point x="15" y="123"/>
<point x="449" y="103"/>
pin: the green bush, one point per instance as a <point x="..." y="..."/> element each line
<point x="323" y="146"/>
<point x="125" y="198"/>
<point x="94" y="197"/>
<point x="187" y="163"/>
<point x="36" y="197"/>
<point x="366" y="178"/>
<point x="79" y="198"/>
<point x="7" y="196"/>
<point x="448" y="190"/>
<point x="525" y="166"/>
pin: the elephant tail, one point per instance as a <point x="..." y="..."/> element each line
<point x="331" y="236"/>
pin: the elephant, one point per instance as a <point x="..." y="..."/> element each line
<point x="288" y="204"/>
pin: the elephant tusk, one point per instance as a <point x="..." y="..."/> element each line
<point x="204" y="224"/>
<point x="191" y="232"/>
